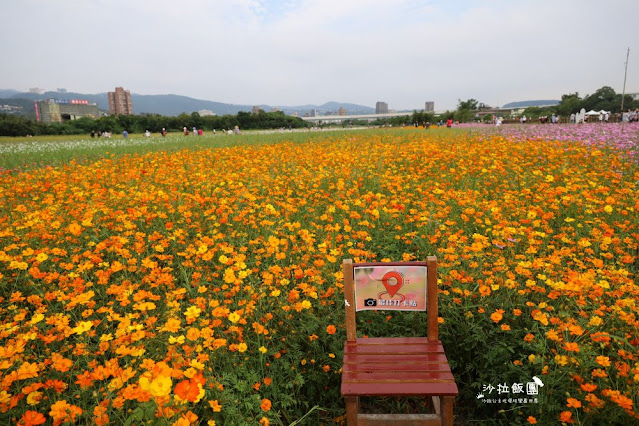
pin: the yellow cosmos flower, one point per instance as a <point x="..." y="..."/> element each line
<point x="82" y="327"/>
<point x="242" y="347"/>
<point x="36" y="318"/>
<point x="159" y="386"/>
<point x="234" y="317"/>
<point x="174" y="340"/>
<point x="106" y="337"/>
<point x="192" y="312"/>
<point x="34" y="398"/>
<point x="115" y="384"/>
<point x="196" y="364"/>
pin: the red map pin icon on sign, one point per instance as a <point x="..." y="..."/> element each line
<point x="393" y="281"/>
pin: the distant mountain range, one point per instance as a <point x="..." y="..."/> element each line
<point x="171" y="105"/>
<point x="526" y="104"/>
<point x="15" y="102"/>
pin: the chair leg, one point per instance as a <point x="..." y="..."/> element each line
<point x="447" y="410"/>
<point x="436" y="402"/>
<point x="352" y="409"/>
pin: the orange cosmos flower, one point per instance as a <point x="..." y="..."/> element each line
<point x="75" y="229"/>
<point x="100" y="416"/>
<point x="598" y="372"/>
<point x="594" y="401"/>
<point x="62" y="412"/>
<point x="497" y="315"/>
<point x="330" y="329"/>
<point x="266" y="404"/>
<point x="484" y="290"/>
<point x="566" y="417"/>
<point x="187" y="390"/>
<point x="573" y="403"/>
<point x="215" y="406"/>
<point x="27" y="371"/>
<point x="571" y="346"/>
<point x="60" y="363"/>
<point x="32" y="418"/>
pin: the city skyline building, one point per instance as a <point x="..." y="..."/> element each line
<point x="429" y="106"/>
<point x="60" y="111"/>
<point x="381" y="108"/>
<point x="120" y="102"/>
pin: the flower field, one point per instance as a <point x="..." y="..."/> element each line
<point x="204" y="285"/>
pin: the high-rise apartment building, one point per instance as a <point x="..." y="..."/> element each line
<point x="120" y="102"/>
<point x="429" y="106"/>
<point x="381" y="108"/>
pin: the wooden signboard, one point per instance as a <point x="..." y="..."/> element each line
<point x="395" y="287"/>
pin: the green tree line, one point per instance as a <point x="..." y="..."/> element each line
<point x="604" y="98"/>
<point x="14" y="125"/>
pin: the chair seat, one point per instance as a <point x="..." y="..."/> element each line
<point x="401" y="366"/>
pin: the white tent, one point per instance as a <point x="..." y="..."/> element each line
<point x="592" y="112"/>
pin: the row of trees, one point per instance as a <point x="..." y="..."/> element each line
<point x="13" y="125"/>
<point x="604" y="98"/>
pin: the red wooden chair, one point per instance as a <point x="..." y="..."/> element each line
<point x="395" y="366"/>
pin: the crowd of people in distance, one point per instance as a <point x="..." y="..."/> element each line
<point x="195" y="132"/>
<point x="105" y="134"/>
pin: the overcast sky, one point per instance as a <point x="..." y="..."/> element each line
<point x="295" y="52"/>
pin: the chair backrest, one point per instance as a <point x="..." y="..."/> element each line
<point x="364" y="285"/>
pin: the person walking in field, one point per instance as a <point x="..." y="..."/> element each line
<point x="449" y="123"/>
